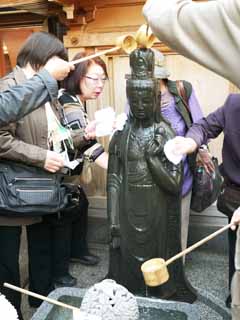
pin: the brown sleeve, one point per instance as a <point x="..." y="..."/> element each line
<point x="13" y="148"/>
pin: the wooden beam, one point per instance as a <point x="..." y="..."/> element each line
<point x="108" y="3"/>
<point x="41" y="7"/>
<point x="112" y="3"/>
<point x="21" y="20"/>
<point x="102" y="41"/>
<point x="63" y="2"/>
<point x="69" y="10"/>
<point x="80" y="39"/>
<point x="10" y="3"/>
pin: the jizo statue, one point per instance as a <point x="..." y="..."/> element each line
<point x="144" y="190"/>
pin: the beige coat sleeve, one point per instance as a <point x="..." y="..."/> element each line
<point x="206" y="32"/>
<point x="12" y="148"/>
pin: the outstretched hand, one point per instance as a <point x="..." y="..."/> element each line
<point x="235" y="219"/>
<point x="58" y="68"/>
<point x="205" y="158"/>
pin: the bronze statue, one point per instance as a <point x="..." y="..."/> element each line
<point x="144" y="190"/>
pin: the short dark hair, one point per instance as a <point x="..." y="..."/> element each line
<point x="71" y="82"/>
<point x="39" y="48"/>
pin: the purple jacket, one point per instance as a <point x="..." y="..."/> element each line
<point x="227" y="120"/>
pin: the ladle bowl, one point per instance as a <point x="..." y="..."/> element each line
<point x="127" y="43"/>
<point x="145" y="37"/>
<point x="155" y="272"/>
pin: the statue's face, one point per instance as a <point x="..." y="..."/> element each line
<point x="142" y="103"/>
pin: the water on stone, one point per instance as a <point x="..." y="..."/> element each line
<point x="146" y="313"/>
<point x="157" y="314"/>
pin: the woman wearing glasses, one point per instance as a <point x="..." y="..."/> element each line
<point x="85" y="83"/>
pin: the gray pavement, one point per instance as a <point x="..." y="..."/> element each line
<point x="205" y="270"/>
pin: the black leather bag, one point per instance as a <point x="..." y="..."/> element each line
<point x="32" y="191"/>
<point x="206" y="188"/>
<point x="229" y="199"/>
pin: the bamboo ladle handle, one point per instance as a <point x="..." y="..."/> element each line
<point x="39" y="296"/>
<point x="198" y="244"/>
<point x="127" y="43"/>
<point x="97" y="54"/>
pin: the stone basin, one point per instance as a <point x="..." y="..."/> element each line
<point x="153" y="309"/>
<point x="207" y="307"/>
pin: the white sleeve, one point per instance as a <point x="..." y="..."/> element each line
<point x="206" y="32"/>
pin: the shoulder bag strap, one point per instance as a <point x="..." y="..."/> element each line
<point x="182" y="93"/>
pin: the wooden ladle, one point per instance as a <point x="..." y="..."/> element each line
<point x="144" y="38"/>
<point x="127" y="43"/>
<point x="155" y="270"/>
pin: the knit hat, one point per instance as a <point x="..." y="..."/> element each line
<point x="160" y="71"/>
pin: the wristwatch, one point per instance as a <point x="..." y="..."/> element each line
<point x="203" y="147"/>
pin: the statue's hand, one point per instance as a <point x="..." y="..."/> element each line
<point x="155" y="147"/>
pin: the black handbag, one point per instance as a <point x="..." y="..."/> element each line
<point x="229" y="199"/>
<point x="206" y="187"/>
<point x="32" y="191"/>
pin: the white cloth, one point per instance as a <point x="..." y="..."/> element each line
<point x="104" y="121"/>
<point x="168" y="149"/>
<point x="107" y="122"/>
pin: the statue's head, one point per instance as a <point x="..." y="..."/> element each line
<point x="142" y="87"/>
<point x="142" y="63"/>
<point x="143" y="99"/>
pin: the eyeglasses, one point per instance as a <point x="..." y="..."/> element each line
<point x="95" y="80"/>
